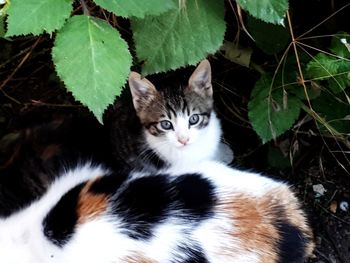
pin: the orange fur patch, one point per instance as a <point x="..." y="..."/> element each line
<point x="90" y="205"/>
<point x="252" y="227"/>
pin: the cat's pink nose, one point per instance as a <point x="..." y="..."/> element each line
<point x="183" y="141"/>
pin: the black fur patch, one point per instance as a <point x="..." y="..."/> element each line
<point x="291" y="246"/>
<point x="108" y="184"/>
<point x="60" y="222"/>
<point x="196" y="195"/>
<point x="193" y="255"/>
<point x="147" y="201"/>
<point x="143" y="204"/>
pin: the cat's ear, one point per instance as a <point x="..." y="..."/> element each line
<point x="200" y="80"/>
<point x="142" y="90"/>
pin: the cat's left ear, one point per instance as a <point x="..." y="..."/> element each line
<point x="142" y="90"/>
<point x="200" y="80"/>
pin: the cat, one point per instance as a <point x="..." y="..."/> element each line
<point x="164" y="126"/>
<point x="205" y="213"/>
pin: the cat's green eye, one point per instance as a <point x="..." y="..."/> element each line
<point x="194" y="119"/>
<point x="166" y="125"/>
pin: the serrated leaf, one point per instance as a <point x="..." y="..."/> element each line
<point x="180" y="37"/>
<point x="3" y="8"/>
<point x="271" y="114"/>
<point x="92" y="60"/>
<point x="2" y="27"/>
<point x="335" y="70"/>
<point x="137" y="8"/>
<point x="271" y="11"/>
<point x="4" y="5"/>
<point x="342" y="80"/>
<point x="322" y="67"/>
<point x="268" y="37"/>
<point x="35" y="17"/>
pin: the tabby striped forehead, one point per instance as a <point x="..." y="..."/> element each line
<point x="172" y="103"/>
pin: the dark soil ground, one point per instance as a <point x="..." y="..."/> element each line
<point x="31" y="94"/>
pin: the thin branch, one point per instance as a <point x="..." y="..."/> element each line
<point x="20" y="64"/>
<point x="85" y="8"/>
<point x="307" y="32"/>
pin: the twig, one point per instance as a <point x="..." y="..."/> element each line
<point x="40" y="103"/>
<point x="307" y="32"/>
<point x="20" y="64"/>
<point x="85" y="8"/>
<point x="239" y="10"/>
<point x="336" y="217"/>
<point x="10" y="98"/>
<point x="322" y="255"/>
<point x="301" y="74"/>
<point x="237" y="21"/>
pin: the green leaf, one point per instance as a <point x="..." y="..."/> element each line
<point x="268" y="37"/>
<point x="335" y="111"/>
<point x="341" y="44"/>
<point x="335" y="70"/>
<point x="180" y="37"/>
<point x="35" y="17"/>
<point x="137" y="8"/>
<point x="2" y="27"/>
<point x="341" y="81"/>
<point x="271" y="11"/>
<point x="321" y="67"/>
<point x="93" y="61"/>
<point x="271" y="114"/>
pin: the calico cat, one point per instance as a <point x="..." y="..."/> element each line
<point x="205" y="213"/>
<point x="164" y="126"/>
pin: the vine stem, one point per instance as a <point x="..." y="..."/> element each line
<point x="301" y="74"/>
<point x="309" y="109"/>
<point x="85" y="8"/>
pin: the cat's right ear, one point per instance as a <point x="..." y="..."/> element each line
<point x="200" y="80"/>
<point x="142" y="90"/>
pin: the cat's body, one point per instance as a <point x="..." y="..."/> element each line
<point x="204" y="213"/>
<point x="169" y="125"/>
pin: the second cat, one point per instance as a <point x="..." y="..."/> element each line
<point x="168" y="125"/>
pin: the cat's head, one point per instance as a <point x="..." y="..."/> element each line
<point x="178" y="121"/>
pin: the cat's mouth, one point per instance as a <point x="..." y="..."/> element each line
<point x="181" y="146"/>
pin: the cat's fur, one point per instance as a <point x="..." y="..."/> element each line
<point x="206" y="213"/>
<point x="136" y="131"/>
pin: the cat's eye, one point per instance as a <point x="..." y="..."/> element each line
<point x="194" y="119"/>
<point x="166" y="125"/>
